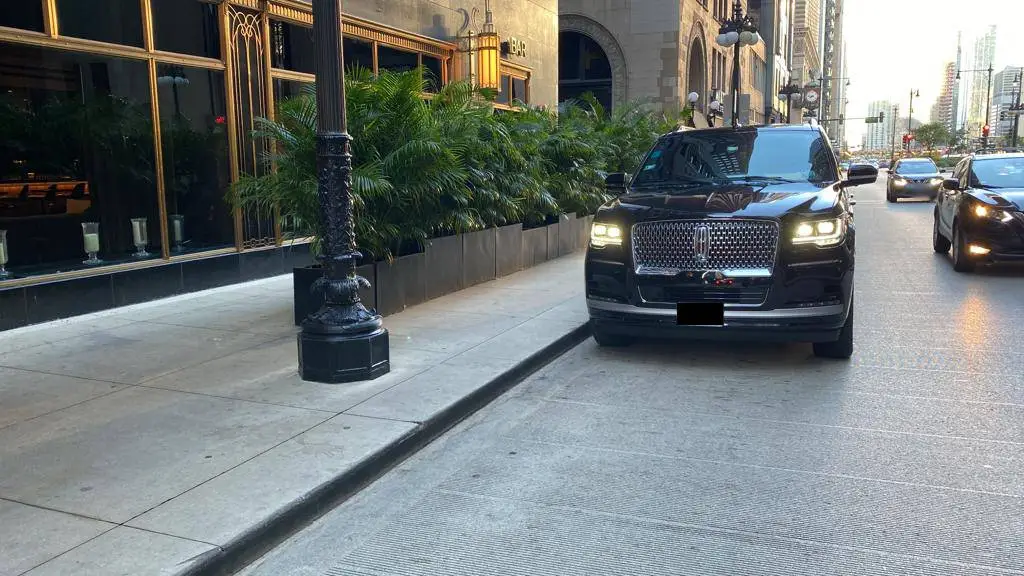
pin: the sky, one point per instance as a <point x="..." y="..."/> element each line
<point x="894" y="46"/>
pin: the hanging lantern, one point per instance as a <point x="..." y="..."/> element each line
<point x="488" y="54"/>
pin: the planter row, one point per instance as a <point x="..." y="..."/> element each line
<point x="451" y="264"/>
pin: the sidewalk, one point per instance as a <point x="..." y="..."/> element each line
<point x="170" y="436"/>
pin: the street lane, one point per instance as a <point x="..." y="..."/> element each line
<point x="704" y="459"/>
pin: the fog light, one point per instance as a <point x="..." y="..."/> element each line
<point x="979" y="250"/>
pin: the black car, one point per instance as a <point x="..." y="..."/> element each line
<point x="980" y="213"/>
<point x="913" y="177"/>
<point x="734" y="233"/>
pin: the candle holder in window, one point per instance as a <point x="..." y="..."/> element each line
<point x="177" y="230"/>
<point x="3" y="255"/>
<point x="91" y="241"/>
<point x="140" y="236"/>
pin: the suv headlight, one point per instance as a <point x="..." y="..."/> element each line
<point x="822" y="233"/>
<point x="936" y="181"/>
<point x="602" y="235"/>
<point x="986" y="213"/>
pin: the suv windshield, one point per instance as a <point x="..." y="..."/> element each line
<point x="998" y="172"/>
<point x="722" y="156"/>
<point x="920" y="167"/>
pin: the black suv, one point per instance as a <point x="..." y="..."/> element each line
<point x="980" y="214"/>
<point x="910" y="177"/>
<point x="734" y="233"/>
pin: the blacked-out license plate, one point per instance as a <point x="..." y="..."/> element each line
<point x="700" y="314"/>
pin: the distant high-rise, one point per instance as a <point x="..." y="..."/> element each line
<point x="879" y="136"/>
<point x="1005" y="85"/>
<point x="983" y="57"/>
<point x="806" y="34"/>
<point x="942" y="111"/>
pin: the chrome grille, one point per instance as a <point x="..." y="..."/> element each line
<point x="670" y="247"/>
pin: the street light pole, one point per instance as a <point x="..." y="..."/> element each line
<point x="1016" y="111"/>
<point x="895" y="117"/>
<point x="910" y="115"/>
<point x="988" y="106"/>
<point x="736" y="32"/>
<point x="343" y="341"/>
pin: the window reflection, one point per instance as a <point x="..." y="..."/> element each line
<point x="358" y="54"/>
<point x="519" y="90"/>
<point x="503" y="95"/>
<point x="23" y="15"/>
<point x="186" y="26"/>
<point x="115" y="21"/>
<point x="76" y="146"/>
<point x="292" y="47"/>
<point x="432" y="73"/>
<point x="195" y="152"/>
<point x="396" y="60"/>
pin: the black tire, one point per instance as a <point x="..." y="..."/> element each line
<point x="607" y="340"/>
<point x="940" y="243"/>
<point x="961" y="261"/>
<point x="890" y="196"/>
<point x="842" y="348"/>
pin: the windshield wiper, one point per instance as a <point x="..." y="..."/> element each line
<point x="674" y="184"/>
<point x="776" y="179"/>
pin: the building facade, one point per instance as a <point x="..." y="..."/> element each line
<point x="978" y="89"/>
<point x="776" y="23"/>
<point x="806" y="41"/>
<point x="654" y="51"/>
<point x="942" y="112"/>
<point x="125" y="124"/>
<point x="878" y="136"/>
<point x="1006" y="85"/>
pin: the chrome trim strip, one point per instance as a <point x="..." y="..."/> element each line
<point x="730" y="312"/>
<point x="733" y="273"/>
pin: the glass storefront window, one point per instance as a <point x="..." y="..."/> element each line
<point x="519" y="90"/>
<point x="358" y="54"/>
<point x="115" y="21"/>
<point x="76" y="147"/>
<point x="432" y="73"/>
<point x="23" y="15"/>
<point x="396" y="60"/>
<point x="186" y="26"/>
<point x="292" y="47"/>
<point x="195" y="152"/>
<point x="503" y="94"/>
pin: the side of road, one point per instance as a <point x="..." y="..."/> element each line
<point x="175" y="437"/>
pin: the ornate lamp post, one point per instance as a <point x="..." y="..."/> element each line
<point x="1015" y="109"/>
<point x="791" y="94"/>
<point x="910" y="114"/>
<point x="342" y="341"/>
<point x="738" y="31"/>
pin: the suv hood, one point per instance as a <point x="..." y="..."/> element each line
<point x="740" y="200"/>
<point x="1009" y="199"/>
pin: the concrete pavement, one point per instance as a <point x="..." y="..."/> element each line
<point x="175" y="436"/>
<point x="718" y="460"/>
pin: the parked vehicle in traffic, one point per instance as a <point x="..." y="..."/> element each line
<point x="728" y="233"/>
<point x="913" y="177"/>
<point x="883" y="164"/>
<point x="980" y="213"/>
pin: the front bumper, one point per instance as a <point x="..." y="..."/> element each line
<point x="811" y="324"/>
<point x="913" y="189"/>
<point x="1005" y="241"/>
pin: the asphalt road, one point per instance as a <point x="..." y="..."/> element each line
<point x="703" y="459"/>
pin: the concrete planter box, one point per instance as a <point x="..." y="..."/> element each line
<point x="307" y="302"/>
<point x="552" y="240"/>
<point x="444" y="262"/>
<point x="401" y="283"/>
<point x="535" y="246"/>
<point x="508" y="250"/>
<point x="584" y="225"/>
<point x="568" y="234"/>
<point x="479" y="253"/>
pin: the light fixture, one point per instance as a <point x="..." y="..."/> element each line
<point x="488" y="53"/>
<point x="692" y="98"/>
<point x="602" y="235"/>
<point x="979" y="250"/>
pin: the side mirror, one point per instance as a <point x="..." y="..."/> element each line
<point x="951" y="184"/>
<point x="859" y="174"/>
<point x="616" y="182"/>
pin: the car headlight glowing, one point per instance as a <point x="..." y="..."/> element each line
<point x="900" y="181"/>
<point x="605" y="235"/>
<point x="820" y="232"/>
<point x="981" y="211"/>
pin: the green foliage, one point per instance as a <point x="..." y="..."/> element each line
<point x="425" y="167"/>
<point x="929" y="135"/>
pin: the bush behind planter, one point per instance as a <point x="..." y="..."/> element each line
<point x="426" y="169"/>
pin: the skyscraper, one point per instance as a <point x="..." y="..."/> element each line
<point x="942" y="112"/>
<point x="983" y="57"/>
<point x="879" y="136"/>
<point x="806" y="36"/>
<point x="1005" y="85"/>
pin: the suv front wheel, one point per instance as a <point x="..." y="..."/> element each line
<point x="842" y="348"/>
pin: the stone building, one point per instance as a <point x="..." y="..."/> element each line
<point x="653" y="50"/>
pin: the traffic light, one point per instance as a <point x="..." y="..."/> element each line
<point x="1002" y="115"/>
<point x="984" y="131"/>
<point x="881" y="116"/>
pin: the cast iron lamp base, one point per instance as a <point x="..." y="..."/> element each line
<point x="333" y="356"/>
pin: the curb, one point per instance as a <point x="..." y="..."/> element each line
<point x="268" y="534"/>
